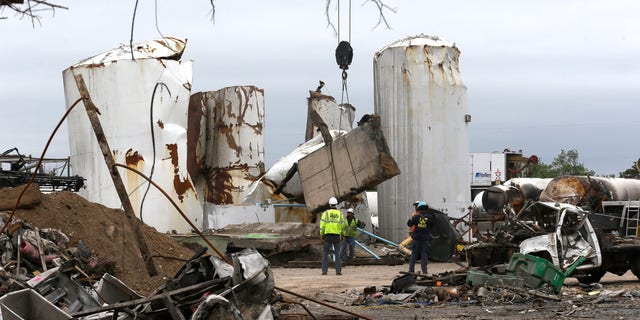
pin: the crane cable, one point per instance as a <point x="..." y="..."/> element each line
<point x="344" y="55"/>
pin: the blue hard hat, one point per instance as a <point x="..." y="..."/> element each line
<point x="421" y="204"/>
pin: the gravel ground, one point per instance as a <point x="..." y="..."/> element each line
<point x="613" y="298"/>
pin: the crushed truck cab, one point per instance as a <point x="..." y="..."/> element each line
<point x="573" y="237"/>
<point x="607" y="240"/>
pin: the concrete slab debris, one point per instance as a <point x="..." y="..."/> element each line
<point x="347" y="166"/>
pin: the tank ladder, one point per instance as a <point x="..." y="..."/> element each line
<point x="632" y="216"/>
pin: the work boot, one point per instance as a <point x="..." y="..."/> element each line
<point x="324" y="273"/>
<point x="338" y="274"/>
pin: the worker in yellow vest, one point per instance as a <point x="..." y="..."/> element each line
<point x="349" y="231"/>
<point x="331" y="224"/>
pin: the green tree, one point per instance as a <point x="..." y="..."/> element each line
<point x="633" y="172"/>
<point x="541" y="170"/>
<point x="565" y="163"/>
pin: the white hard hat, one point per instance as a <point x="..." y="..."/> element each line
<point x="350" y="210"/>
<point x="333" y="201"/>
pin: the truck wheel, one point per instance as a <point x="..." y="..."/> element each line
<point x="592" y="277"/>
<point x="635" y="268"/>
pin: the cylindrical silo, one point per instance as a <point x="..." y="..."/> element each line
<point x="234" y="150"/>
<point x="142" y="106"/>
<point x="422" y="102"/>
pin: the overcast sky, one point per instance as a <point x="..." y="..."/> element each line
<point x="542" y="76"/>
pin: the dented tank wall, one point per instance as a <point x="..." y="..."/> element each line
<point x="590" y="191"/>
<point x="422" y="102"/>
<point x="122" y="90"/>
<point x="234" y="149"/>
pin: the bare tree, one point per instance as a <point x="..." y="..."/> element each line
<point x="382" y="7"/>
<point x="30" y="8"/>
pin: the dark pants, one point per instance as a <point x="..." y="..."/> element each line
<point x="348" y="248"/>
<point x="419" y="248"/>
<point x="331" y="240"/>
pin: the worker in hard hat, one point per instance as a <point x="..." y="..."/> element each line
<point x="349" y="231"/>
<point x="421" y="236"/>
<point x="331" y="224"/>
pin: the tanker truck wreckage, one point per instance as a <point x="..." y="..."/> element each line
<point x="586" y="224"/>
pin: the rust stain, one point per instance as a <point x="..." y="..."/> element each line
<point x="160" y="124"/>
<point x="181" y="186"/>
<point x="132" y="158"/>
<point x="220" y="186"/>
<point x="196" y="115"/>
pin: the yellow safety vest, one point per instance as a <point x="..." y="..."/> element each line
<point x="350" y="229"/>
<point x="331" y="222"/>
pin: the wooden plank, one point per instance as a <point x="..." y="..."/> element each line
<point x="349" y="165"/>
<point x="115" y="175"/>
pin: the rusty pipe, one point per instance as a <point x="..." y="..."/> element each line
<point x="323" y="304"/>
<point x="405" y="245"/>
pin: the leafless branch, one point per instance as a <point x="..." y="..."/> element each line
<point x="326" y="13"/>
<point x="382" y="19"/>
<point x="31" y="8"/>
<point x="213" y="12"/>
<point x="381" y="8"/>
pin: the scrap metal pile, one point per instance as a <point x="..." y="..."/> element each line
<point x="586" y="224"/>
<point x="83" y="265"/>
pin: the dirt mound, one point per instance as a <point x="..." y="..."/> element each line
<point x="104" y="230"/>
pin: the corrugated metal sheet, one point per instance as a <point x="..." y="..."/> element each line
<point x="122" y="89"/>
<point x="422" y="102"/>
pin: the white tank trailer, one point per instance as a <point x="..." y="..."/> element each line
<point x="590" y="191"/>
<point x="422" y="102"/>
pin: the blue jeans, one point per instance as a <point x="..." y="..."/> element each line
<point x="419" y="248"/>
<point x="349" y="245"/>
<point x="331" y="240"/>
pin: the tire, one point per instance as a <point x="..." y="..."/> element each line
<point x="635" y="268"/>
<point x="592" y="277"/>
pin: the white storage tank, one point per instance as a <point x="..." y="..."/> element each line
<point x="142" y="107"/>
<point x="422" y="102"/>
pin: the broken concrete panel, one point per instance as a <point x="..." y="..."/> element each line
<point x="142" y="108"/>
<point x="264" y="188"/>
<point x="347" y="166"/>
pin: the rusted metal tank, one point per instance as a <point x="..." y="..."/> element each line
<point x="335" y="116"/>
<point x="590" y="191"/>
<point x="142" y="108"/>
<point x="515" y="192"/>
<point x="233" y="141"/>
<point x="422" y="101"/>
